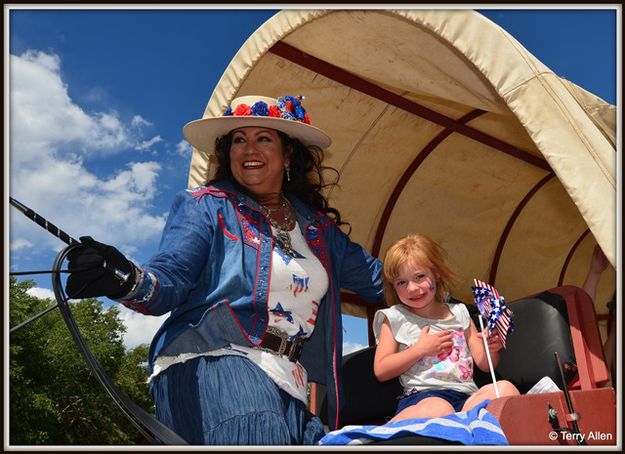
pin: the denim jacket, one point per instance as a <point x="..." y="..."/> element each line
<point x="212" y="272"/>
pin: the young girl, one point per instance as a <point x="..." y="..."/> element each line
<point x="426" y="341"/>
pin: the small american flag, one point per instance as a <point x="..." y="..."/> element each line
<point x="493" y="308"/>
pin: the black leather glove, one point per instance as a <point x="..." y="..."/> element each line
<point x="97" y="269"/>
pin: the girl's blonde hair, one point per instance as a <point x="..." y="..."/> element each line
<point x="421" y="250"/>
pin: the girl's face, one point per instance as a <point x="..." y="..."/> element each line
<point x="257" y="159"/>
<point x="415" y="286"/>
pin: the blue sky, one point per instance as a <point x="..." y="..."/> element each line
<point x="99" y="98"/>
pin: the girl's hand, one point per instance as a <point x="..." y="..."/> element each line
<point x="435" y="343"/>
<point x="492" y="340"/>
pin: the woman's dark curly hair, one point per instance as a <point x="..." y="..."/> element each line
<point x="306" y="173"/>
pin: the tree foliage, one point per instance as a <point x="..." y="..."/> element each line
<point x="54" y="398"/>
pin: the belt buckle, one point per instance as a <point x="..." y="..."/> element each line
<point x="283" y="339"/>
<point x="289" y="349"/>
<point x="295" y="349"/>
<point x="283" y="343"/>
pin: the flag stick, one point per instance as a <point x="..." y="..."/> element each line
<point x="490" y="362"/>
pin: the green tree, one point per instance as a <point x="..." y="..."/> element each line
<point x="54" y="398"/>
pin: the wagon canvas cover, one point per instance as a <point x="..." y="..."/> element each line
<point x="442" y="123"/>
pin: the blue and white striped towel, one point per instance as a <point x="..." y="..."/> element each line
<point x="474" y="427"/>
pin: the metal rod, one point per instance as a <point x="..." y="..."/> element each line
<point x="569" y="402"/>
<point x="26" y="273"/>
<point x="33" y="318"/>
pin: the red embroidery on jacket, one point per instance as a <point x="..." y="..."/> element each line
<point x="223" y="228"/>
<point x="201" y="191"/>
<point x="250" y="229"/>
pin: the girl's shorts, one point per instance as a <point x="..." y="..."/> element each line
<point x="455" y="398"/>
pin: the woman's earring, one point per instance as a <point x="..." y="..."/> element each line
<point x="288" y="173"/>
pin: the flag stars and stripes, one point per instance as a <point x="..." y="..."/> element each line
<point x="313" y="317"/>
<point x="299" y="284"/>
<point x="493" y="308"/>
<point x="280" y="313"/>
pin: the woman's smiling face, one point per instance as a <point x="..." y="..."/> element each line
<point x="257" y="160"/>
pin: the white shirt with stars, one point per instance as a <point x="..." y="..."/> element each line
<point x="296" y="288"/>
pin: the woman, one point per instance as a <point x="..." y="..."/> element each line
<point x="250" y="266"/>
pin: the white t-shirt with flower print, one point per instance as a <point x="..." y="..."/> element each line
<point x="450" y="370"/>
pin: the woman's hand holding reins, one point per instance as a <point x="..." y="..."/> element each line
<point x="98" y="269"/>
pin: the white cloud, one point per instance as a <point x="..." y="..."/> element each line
<point x="138" y="121"/>
<point x="140" y="329"/>
<point x="41" y="293"/>
<point x="113" y="210"/>
<point x="350" y="347"/>
<point x="20" y="244"/>
<point x="146" y="145"/>
<point x="96" y="95"/>
<point x="44" y="117"/>
<point x="184" y="149"/>
<point x="45" y="123"/>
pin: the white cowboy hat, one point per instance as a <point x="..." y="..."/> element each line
<point x="283" y="114"/>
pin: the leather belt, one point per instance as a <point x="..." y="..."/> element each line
<point x="276" y="341"/>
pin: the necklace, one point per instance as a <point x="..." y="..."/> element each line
<point x="282" y="229"/>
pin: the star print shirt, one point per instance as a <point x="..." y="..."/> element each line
<point x="449" y="370"/>
<point x="297" y="286"/>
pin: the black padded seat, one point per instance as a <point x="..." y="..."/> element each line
<point x="543" y="329"/>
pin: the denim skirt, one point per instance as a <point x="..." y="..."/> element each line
<point x="229" y="400"/>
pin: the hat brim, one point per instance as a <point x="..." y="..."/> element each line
<point x="203" y="133"/>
